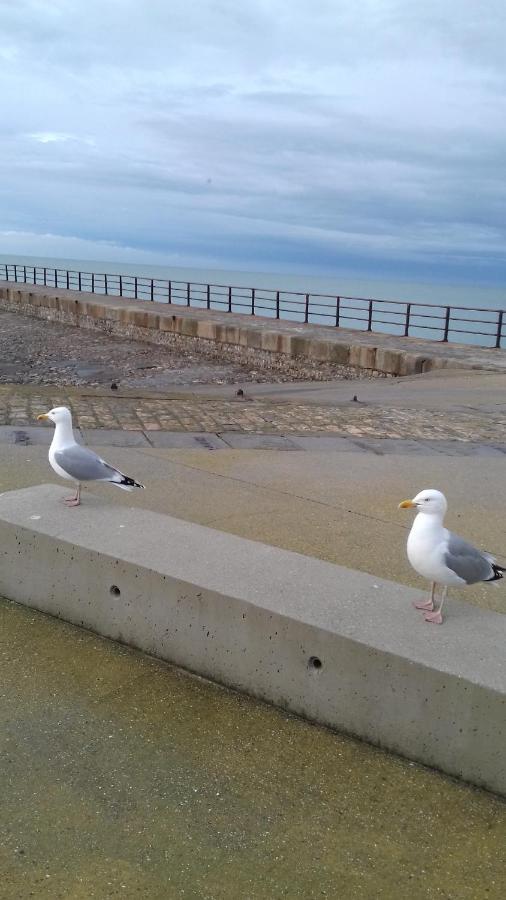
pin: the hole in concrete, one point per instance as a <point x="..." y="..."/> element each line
<point x="314" y="663"/>
<point x="114" y="590"/>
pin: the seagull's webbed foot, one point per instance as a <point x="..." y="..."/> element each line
<point x="428" y="606"/>
<point x="75" y="500"/>
<point x="435" y="617"/>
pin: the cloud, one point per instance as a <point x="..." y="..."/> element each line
<point x="372" y="132"/>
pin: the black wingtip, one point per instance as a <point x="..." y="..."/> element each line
<point x="130" y="482"/>
<point x="498" y="572"/>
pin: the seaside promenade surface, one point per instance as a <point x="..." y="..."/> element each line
<point x="125" y="777"/>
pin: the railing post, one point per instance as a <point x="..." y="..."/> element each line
<point x="230" y="298"/>
<point x="152" y="295"/>
<point x="92" y="282"/>
<point x="79" y="281"/>
<point x="170" y="291"/>
<point x="408" y="316"/>
<point x="208" y="294"/>
<point x="306" y="310"/>
<point x="252" y="301"/>
<point x="277" y="304"/>
<point x="499" y="329"/>
<point x="45" y="276"/>
<point x="338" y="310"/>
<point x="15" y="271"/>
<point x="135" y="287"/>
<point x="24" y="274"/>
<point x="121" y="285"/>
<point x="68" y="279"/>
<point x="447" y="323"/>
<point x="56" y="277"/>
<point x="188" y="293"/>
<point x="369" y="318"/>
<point x="105" y="283"/>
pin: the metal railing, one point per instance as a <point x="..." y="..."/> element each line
<point x="407" y="318"/>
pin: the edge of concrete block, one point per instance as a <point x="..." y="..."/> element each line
<point x="334" y="645"/>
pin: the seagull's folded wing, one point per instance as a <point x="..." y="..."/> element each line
<point x="84" y="465"/>
<point x="467" y="561"/>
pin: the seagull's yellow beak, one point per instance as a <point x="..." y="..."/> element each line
<point x="42" y="416"/>
<point x="407" y="504"/>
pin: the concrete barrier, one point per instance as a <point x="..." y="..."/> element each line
<point x="337" y="646"/>
<point x="260" y="340"/>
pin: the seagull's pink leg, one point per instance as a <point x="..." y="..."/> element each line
<point x="436" y="617"/>
<point x="429" y="604"/>
<point x="74" y="501"/>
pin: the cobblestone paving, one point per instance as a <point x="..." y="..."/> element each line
<point x="21" y="407"/>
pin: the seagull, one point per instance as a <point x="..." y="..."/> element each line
<point x="441" y="556"/>
<point x="70" y="460"/>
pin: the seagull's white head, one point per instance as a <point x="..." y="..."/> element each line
<point x="431" y="502"/>
<point x="60" y="415"/>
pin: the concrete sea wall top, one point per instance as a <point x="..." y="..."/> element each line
<point x="388" y="354"/>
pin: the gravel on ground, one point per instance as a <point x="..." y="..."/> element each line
<point x="34" y="351"/>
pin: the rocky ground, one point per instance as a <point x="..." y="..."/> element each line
<point x="33" y="351"/>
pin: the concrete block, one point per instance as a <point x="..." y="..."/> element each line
<point x="411" y="363"/>
<point x="168" y="323"/>
<point x="187" y="439"/>
<point x="96" y="311"/>
<point x="337" y="646"/>
<point x="340" y="354"/>
<point x="250" y="337"/>
<point x="205" y="329"/>
<point x="232" y="334"/>
<point x="272" y="341"/>
<point x="325" y="442"/>
<point x="36" y="300"/>
<point x="321" y="350"/>
<point x="388" y="360"/>
<point x="395" y="446"/>
<point x="28" y="435"/>
<point x="300" y="346"/>
<point x="114" y="437"/>
<point x="139" y="318"/>
<point x="189" y="327"/>
<point x="464" y="448"/>
<point x="363" y="356"/>
<point x="258" y="441"/>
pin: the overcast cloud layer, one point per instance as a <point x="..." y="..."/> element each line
<point x="272" y="134"/>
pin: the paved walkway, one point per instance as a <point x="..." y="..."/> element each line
<point x="124" y="777"/>
<point x="20" y="405"/>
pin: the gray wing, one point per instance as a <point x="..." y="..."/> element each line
<point x="84" y="465"/>
<point x="467" y="561"/>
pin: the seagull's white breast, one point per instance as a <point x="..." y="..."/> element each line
<point x="54" y="465"/>
<point x="427" y="545"/>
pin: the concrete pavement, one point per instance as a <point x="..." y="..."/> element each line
<point x="123" y="777"/>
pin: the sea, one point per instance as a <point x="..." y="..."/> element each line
<point x="475" y="323"/>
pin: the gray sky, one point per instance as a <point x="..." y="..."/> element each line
<point x="366" y="135"/>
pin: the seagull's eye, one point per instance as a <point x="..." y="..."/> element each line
<point x="426" y="499"/>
